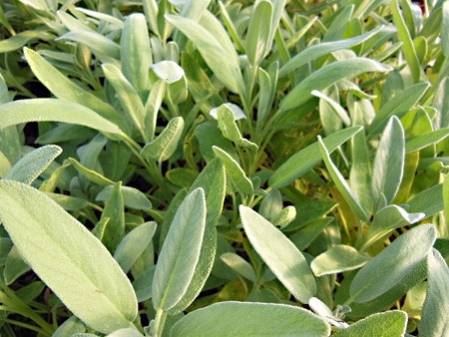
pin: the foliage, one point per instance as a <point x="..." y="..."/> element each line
<point x="224" y="168"/>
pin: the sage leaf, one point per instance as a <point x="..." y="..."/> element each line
<point x="280" y="254"/>
<point x="436" y="305"/>
<point x="229" y="319"/>
<point x="305" y="159"/>
<point x="38" y="227"/>
<point x="389" y="267"/>
<point x="385" y="324"/>
<point x="33" y="164"/>
<point x="337" y="259"/>
<point x="133" y="245"/>
<point x="180" y="252"/>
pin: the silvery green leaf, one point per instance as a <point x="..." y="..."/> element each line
<point x="62" y="87"/>
<point x="136" y="52"/>
<point x="389" y="267"/>
<point x="101" y="45"/>
<point x="341" y="184"/>
<point x="15" y="266"/>
<point x="105" y="302"/>
<point x="259" y="29"/>
<point x="33" y="164"/>
<point x="385" y="324"/>
<point x="165" y="144"/>
<point x="388" y="219"/>
<point x="398" y="105"/>
<point x="338" y="259"/>
<point x="238" y="178"/>
<point x="219" y="54"/>
<point x="313" y="52"/>
<point x="168" y="71"/>
<point x="239" y="265"/>
<point x="230" y="129"/>
<point x="441" y="98"/>
<point x="230" y="319"/>
<point x="304" y="160"/>
<point x="436" y="306"/>
<point x="55" y="110"/>
<point x="388" y="167"/>
<point x="236" y="110"/>
<point x="127" y="332"/>
<point x="280" y="254"/>
<point x="133" y="245"/>
<point x="132" y="197"/>
<point x="326" y="76"/>
<point x="70" y="327"/>
<point x="127" y="95"/>
<point x="322" y="310"/>
<point x="180" y="252"/>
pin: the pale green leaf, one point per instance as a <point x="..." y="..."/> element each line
<point x="180" y="252"/>
<point x="304" y="160"/>
<point x="230" y="319"/>
<point x="41" y="229"/>
<point x="33" y="164"/>
<point x="280" y="254"/>
<point x="389" y="267"/>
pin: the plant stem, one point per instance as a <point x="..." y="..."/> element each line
<point x="159" y="323"/>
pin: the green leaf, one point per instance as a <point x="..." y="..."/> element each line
<point x="388" y="167"/>
<point x="55" y="110"/>
<point x="398" y="105"/>
<point x="389" y="267"/>
<point x="408" y="47"/>
<point x="280" y="254"/>
<point x="239" y="265"/>
<point x="445" y="29"/>
<point x="388" y="219"/>
<point x="133" y="245"/>
<point x="313" y="52"/>
<point x="128" y="96"/>
<point x="338" y="259"/>
<point x="40" y="229"/>
<point x="441" y="102"/>
<point x="259" y="29"/>
<point x="165" y="144"/>
<point x="180" y="252"/>
<point x="132" y="197"/>
<point x="114" y="210"/>
<point x="213" y="181"/>
<point x="15" y="266"/>
<point x="136" y="52"/>
<point x="228" y="127"/>
<point x="168" y="71"/>
<point x="422" y="141"/>
<point x="385" y="324"/>
<point x="33" y="164"/>
<point x="69" y="328"/>
<point x="326" y="76"/>
<point x="304" y="160"/>
<point x="220" y="57"/>
<point x="429" y="201"/>
<point x="127" y="332"/>
<point x="433" y="320"/>
<point x="62" y="87"/>
<point x="341" y="184"/>
<point x="99" y="44"/>
<point x="240" y="181"/>
<point x="230" y="319"/>
<point x="19" y="40"/>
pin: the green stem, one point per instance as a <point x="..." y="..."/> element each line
<point x="159" y="323"/>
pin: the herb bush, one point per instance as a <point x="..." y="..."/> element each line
<point x="200" y="168"/>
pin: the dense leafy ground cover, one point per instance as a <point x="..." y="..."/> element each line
<point x="198" y="168"/>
